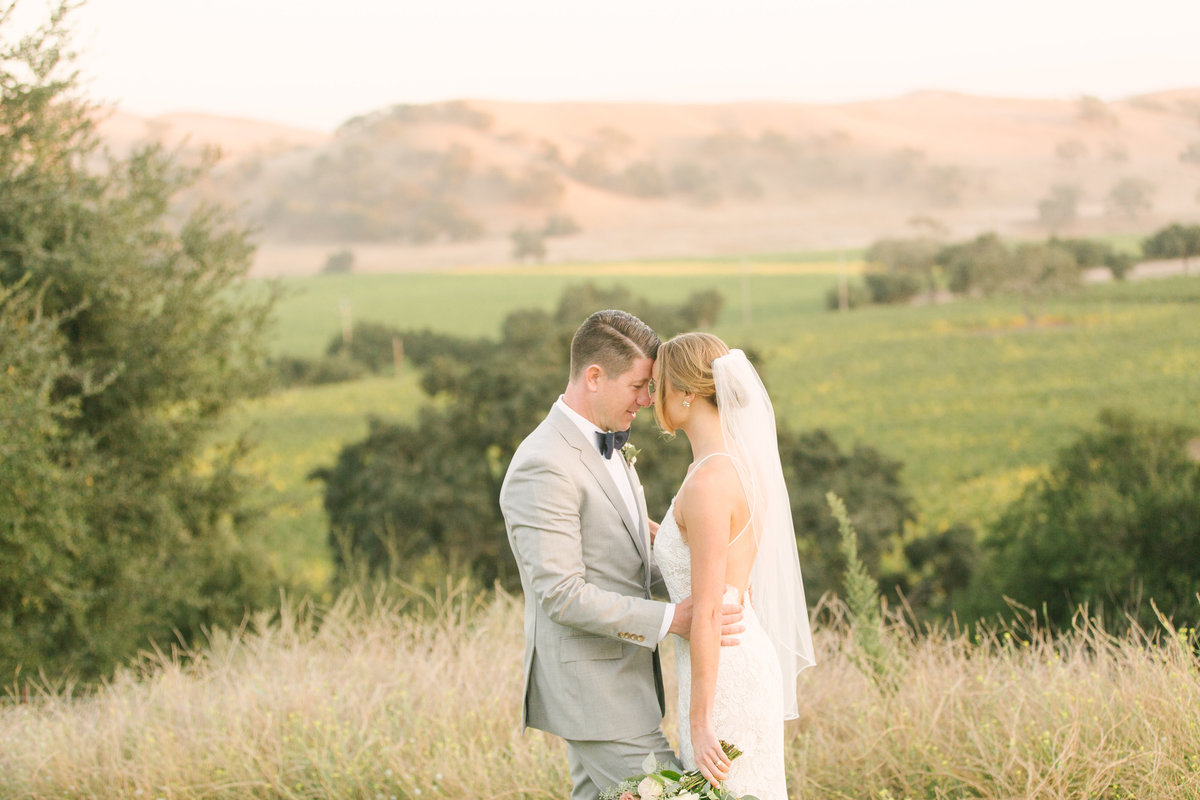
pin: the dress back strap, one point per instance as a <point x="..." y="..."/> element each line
<point x="696" y="466"/>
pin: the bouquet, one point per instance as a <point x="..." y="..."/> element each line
<point x="666" y="782"/>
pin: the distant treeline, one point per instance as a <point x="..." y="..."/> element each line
<point x="373" y="182"/>
<point x="445" y="171"/>
<point x="900" y="270"/>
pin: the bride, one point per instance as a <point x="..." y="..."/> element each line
<point x="728" y="536"/>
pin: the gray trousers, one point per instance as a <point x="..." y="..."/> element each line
<point x="597" y="766"/>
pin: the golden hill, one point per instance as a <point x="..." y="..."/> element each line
<point x="446" y="184"/>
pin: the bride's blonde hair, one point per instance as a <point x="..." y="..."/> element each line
<point x="685" y="363"/>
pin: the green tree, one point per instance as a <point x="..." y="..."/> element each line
<point x="890" y="287"/>
<point x="1059" y="208"/>
<point x="538" y="186"/>
<point x="972" y="266"/>
<point x="900" y="268"/>
<point x="1037" y="272"/>
<point x="1191" y="154"/>
<point x="1032" y="272"/>
<point x="868" y="481"/>
<point x="528" y="244"/>
<point x="643" y="179"/>
<point x="1115" y="523"/>
<point x="946" y="185"/>
<point x="1093" y="253"/>
<point x="1070" y="150"/>
<point x="909" y="256"/>
<point x="1174" y="241"/>
<point x="1130" y="197"/>
<point x="373" y="345"/>
<point x="697" y="181"/>
<point x="45" y="478"/>
<point x="560" y="225"/>
<point x="1095" y="111"/>
<point x="340" y="262"/>
<point x="149" y="346"/>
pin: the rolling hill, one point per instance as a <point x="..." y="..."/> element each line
<point x="444" y="185"/>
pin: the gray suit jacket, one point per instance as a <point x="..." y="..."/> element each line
<point x="591" y="630"/>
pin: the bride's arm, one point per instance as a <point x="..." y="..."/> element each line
<point x="706" y="511"/>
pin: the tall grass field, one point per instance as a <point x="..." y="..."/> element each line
<point x="418" y="697"/>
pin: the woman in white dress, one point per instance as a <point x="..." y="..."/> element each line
<point x="729" y="534"/>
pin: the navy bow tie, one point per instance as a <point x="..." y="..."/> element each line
<point x="611" y="442"/>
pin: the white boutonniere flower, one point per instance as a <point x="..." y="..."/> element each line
<point x="630" y="453"/>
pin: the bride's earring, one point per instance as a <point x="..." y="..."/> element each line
<point x="687" y="404"/>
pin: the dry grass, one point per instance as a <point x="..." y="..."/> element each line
<point x="417" y="697"/>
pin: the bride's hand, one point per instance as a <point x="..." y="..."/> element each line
<point x="710" y="758"/>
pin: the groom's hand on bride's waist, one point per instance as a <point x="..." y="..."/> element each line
<point x="731" y="622"/>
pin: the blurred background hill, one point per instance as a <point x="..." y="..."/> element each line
<point x="426" y="186"/>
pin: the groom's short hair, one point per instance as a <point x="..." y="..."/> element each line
<point x="612" y="339"/>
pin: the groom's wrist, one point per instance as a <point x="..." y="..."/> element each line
<point x="668" y="618"/>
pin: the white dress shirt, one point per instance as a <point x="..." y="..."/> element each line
<point x="616" y="468"/>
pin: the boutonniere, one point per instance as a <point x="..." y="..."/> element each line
<point x="630" y="453"/>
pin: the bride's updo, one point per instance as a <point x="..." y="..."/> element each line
<point x="685" y="363"/>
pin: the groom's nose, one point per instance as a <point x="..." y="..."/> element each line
<point x="644" y="398"/>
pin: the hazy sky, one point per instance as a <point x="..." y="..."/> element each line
<point x="318" y="63"/>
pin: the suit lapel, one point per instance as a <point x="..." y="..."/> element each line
<point x="644" y="515"/>
<point x="590" y="456"/>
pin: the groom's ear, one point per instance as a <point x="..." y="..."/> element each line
<point x="592" y="375"/>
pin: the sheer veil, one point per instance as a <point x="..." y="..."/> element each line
<point x="748" y="424"/>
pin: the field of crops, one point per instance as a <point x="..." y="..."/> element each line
<point x="972" y="398"/>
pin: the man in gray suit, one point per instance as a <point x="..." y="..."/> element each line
<point x="577" y="524"/>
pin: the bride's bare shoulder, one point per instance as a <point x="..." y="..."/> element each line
<point x="713" y="484"/>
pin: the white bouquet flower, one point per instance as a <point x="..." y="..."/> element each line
<point x="666" y="782"/>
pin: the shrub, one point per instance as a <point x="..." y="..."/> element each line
<point x="971" y="265"/>
<point x="298" y="371"/>
<point x="857" y="295"/>
<point x="339" y="263"/>
<point x="908" y="256"/>
<point x="1115" y="523"/>
<point x="528" y="244"/>
<point x="870" y="484"/>
<point x="371" y="345"/>
<point x="1092" y="253"/>
<point x="560" y="225"/>
<point x="1174" y="241"/>
<point x="888" y="287"/>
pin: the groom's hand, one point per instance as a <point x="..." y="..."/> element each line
<point x="731" y="622"/>
<point x="653" y="530"/>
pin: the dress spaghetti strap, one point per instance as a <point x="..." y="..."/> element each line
<point x="696" y="466"/>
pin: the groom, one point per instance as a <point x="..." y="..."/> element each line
<point x="577" y="524"/>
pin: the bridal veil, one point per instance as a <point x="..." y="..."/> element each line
<point x="748" y="425"/>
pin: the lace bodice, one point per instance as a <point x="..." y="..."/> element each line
<point x="747" y="709"/>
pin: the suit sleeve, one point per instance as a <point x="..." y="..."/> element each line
<point x="542" y="508"/>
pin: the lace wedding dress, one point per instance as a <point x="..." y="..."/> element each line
<point x="748" y="707"/>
